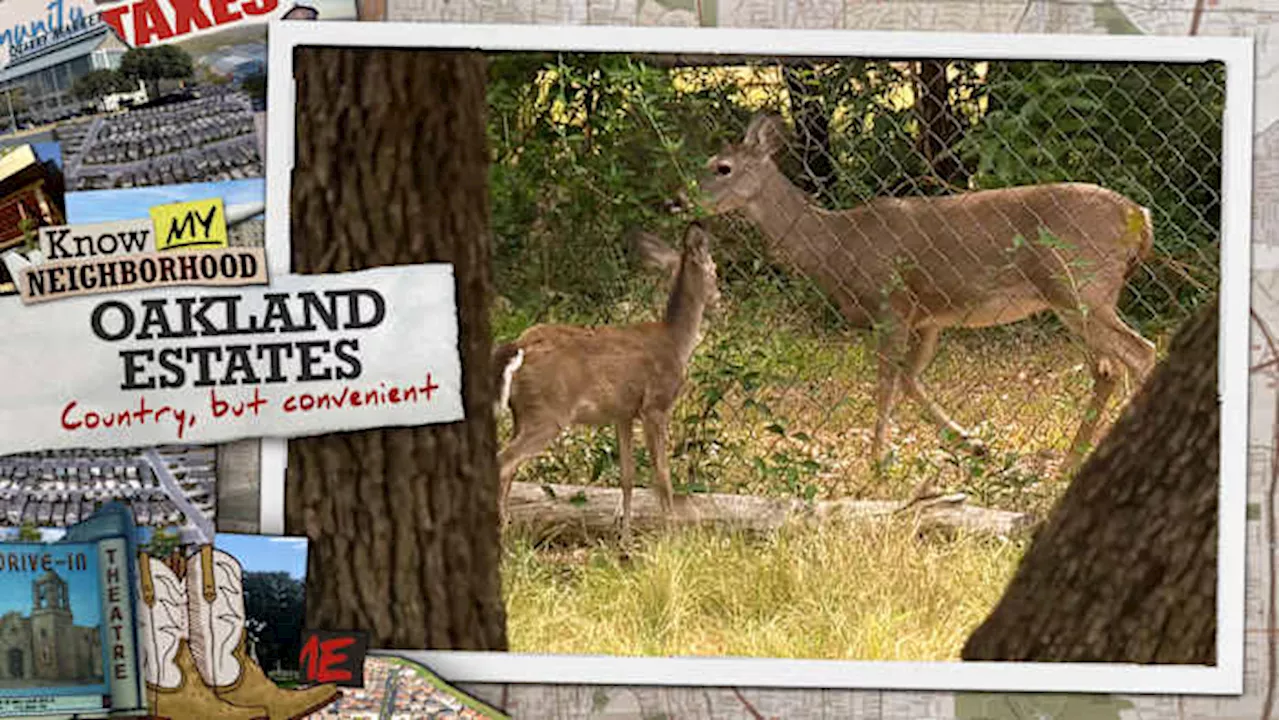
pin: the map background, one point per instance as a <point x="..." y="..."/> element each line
<point x="1257" y="18"/>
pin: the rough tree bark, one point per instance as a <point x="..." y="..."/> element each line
<point x="940" y="129"/>
<point x="807" y="97"/>
<point x="1125" y="567"/>
<point x="392" y="168"/>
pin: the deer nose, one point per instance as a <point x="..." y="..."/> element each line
<point x="679" y="203"/>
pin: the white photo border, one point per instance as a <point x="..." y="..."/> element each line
<point x="1236" y="53"/>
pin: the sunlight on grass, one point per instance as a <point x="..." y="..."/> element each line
<point x="874" y="591"/>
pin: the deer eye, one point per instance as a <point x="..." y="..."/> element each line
<point x="723" y="169"/>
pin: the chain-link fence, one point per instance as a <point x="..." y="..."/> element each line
<point x="833" y="263"/>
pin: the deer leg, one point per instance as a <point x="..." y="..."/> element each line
<point x="1104" y="384"/>
<point x="626" y="461"/>
<point x="1109" y="344"/>
<point x="924" y="345"/>
<point x="530" y="439"/>
<point x="1136" y="352"/>
<point x="888" y="351"/>
<point x="655" y="436"/>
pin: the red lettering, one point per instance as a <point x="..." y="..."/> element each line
<point x="222" y="14"/>
<point x="426" y="389"/>
<point x="318" y="659"/>
<point x="329" y="656"/>
<point x="65" y="411"/>
<point x="148" y="22"/>
<point x="219" y="407"/>
<point x="114" y="18"/>
<point x="188" y="16"/>
<point x="222" y="407"/>
<point x="253" y="7"/>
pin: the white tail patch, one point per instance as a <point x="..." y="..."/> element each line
<point x="508" y="373"/>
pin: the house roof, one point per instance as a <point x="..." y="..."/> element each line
<point x="55" y="56"/>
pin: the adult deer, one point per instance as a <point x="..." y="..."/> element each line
<point x="555" y="376"/>
<point x="911" y="267"/>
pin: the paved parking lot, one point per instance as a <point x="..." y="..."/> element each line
<point x="211" y="138"/>
<point x="165" y="487"/>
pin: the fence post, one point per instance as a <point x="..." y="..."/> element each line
<point x="392" y="168"/>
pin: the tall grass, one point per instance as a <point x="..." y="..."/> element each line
<point x="870" y="591"/>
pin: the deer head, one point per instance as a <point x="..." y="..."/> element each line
<point x="737" y="174"/>
<point x="692" y="270"/>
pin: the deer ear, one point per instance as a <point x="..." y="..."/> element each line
<point x="765" y="133"/>
<point x="656" y="253"/>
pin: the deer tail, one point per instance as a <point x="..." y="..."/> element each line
<point x="507" y="358"/>
<point x="1146" y="241"/>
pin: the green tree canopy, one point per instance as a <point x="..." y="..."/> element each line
<point x="163" y="542"/>
<point x="100" y="83"/>
<point x="152" y="64"/>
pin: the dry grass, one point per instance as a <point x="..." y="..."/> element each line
<point x="873" y="591"/>
<point x="785" y="408"/>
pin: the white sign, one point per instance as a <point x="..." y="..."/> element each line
<point x="310" y="354"/>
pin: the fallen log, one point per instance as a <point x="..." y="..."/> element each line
<point x="577" y="513"/>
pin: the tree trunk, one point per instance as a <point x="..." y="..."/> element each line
<point x="806" y="94"/>
<point x="570" y="514"/>
<point x="1125" y="567"/>
<point x="940" y="129"/>
<point x="392" y="168"/>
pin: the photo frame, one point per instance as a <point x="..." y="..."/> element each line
<point x="1226" y="677"/>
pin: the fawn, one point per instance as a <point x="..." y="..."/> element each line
<point x="556" y="376"/>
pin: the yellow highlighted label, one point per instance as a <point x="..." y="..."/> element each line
<point x="198" y="224"/>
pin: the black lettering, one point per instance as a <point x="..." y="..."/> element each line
<point x="202" y="355"/>
<point x="187" y="263"/>
<point x="309" y="360"/>
<point x="275" y="350"/>
<point x="132" y="242"/>
<point x="55" y="281"/>
<point x="147" y="270"/>
<point x="35" y="283"/>
<point x="169" y="359"/>
<point x="345" y="350"/>
<point x="153" y="314"/>
<point x="167" y="267"/>
<point x="102" y="245"/>
<point x="132" y="368"/>
<point x="238" y="361"/>
<point x="311" y="304"/>
<point x="81" y="241"/>
<point x="353" y="303"/>
<point x="248" y="265"/>
<point x="277" y="314"/>
<point x="55" y="237"/>
<point x="126" y="321"/>
<point x="107" y="274"/>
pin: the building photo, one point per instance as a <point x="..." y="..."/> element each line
<point x="45" y="646"/>
<point x="31" y="196"/>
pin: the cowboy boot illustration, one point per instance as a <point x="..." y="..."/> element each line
<point x="175" y="690"/>
<point x="215" y="594"/>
